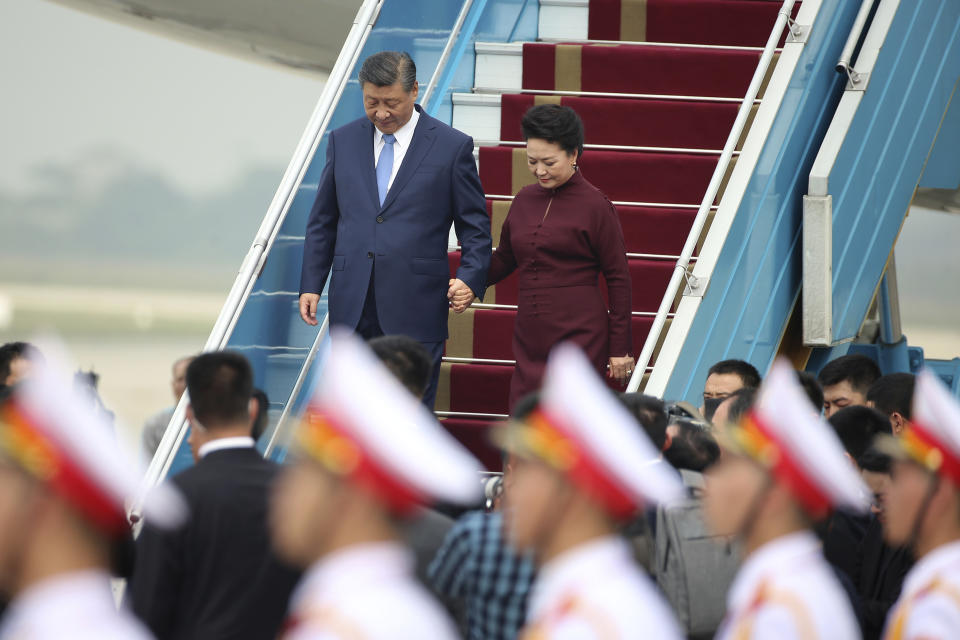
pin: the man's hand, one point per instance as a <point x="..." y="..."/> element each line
<point x="459" y="295"/>
<point x="308" y="307"/>
<point x="621" y="369"/>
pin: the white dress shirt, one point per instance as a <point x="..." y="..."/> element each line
<point x="233" y="442"/>
<point x="366" y="592"/>
<point x="929" y="605"/>
<point x="404" y="137"/>
<point x="78" y="606"/>
<point x="596" y="591"/>
<point x="786" y="590"/>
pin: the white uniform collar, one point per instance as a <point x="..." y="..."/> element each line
<point x="943" y="559"/>
<point x="46" y="609"/>
<point x="781" y="555"/>
<point x="233" y="442"/>
<point x="359" y="564"/>
<point x="566" y="573"/>
<point x="404" y="134"/>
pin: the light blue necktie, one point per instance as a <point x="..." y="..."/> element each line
<point x="385" y="166"/>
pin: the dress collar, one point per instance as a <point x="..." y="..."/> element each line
<point x="576" y="179"/>
<point x="571" y="569"/>
<point x="773" y="558"/>
<point x="943" y="559"/>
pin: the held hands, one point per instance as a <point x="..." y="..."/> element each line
<point x="621" y="369"/>
<point x="308" y="308"/>
<point x="459" y="295"/>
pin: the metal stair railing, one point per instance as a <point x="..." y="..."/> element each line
<point x="463" y="27"/>
<point x="266" y="235"/>
<point x="680" y="274"/>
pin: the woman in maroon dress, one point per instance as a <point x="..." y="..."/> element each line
<point x="561" y="235"/>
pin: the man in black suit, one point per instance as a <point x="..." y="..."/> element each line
<point x="216" y="578"/>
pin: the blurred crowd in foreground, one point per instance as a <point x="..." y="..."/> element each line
<point x="789" y="507"/>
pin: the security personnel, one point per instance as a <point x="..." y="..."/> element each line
<point x="582" y="465"/>
<point x="782" y="470"/>
<point x="923" y="511"/>
<point x="63" y="484"/>
<point x="368" y="455"/>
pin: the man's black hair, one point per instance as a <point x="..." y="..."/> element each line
<point x="741" y="401"/>
<point x="385" y="68"/>
<point x="650" y="413"/>
<point x="747" y="372"/>
<point x="812" y="388"/>
<point x="263" y="413"/>
<point x="857" y="427"/>
<point x="875" y="461"/>
<point x="893" y="393"/>
<point x="693" y="448"/>
<point x="220" y="384"/>
<point x="556" y="124"/>
<point x="12" y="351"/>
<point x="406" y="359"/>
<point x="858" y="370"/>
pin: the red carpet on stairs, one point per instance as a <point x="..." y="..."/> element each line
<point x="744" y="23"/>
<point x="653" y="230"/>
<point x="689" y="71"/>
<point x="475" y="435"/>
<point x="638" y="123"/>
<point x="488" y="333"/>
<point x="625" y="176"/>
<point x="649" y="279"/>
<point x="666" y="179"/>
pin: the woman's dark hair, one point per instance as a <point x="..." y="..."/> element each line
<point x="554" y="123"/>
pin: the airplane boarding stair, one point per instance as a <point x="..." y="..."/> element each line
<point x="703" y="119"/>
<point x="657" y="111"/>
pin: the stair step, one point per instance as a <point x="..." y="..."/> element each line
<point x="637" y="68"/>
<point x="563" y="19"/>
<point x="473" y="388"/>
<point x="671" y="124"/>
<point x="744" y="22"/>
<point x="474" y="434"/>
<point x="488" y="333"/>
<point x="649" y="279"/>
<point x="620" y="175"/>
<point x="651" y="230"/>
<point x="643" y="123"/>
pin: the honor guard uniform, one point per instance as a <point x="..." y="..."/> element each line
<point x="782" y="469"/>
<point x="923" y="511"/>
<point x="368" y="454"/>
<point x="63" y="486"/>
<point x="582" y="466"/>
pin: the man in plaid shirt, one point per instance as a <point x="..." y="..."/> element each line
<point x="477" y="565"/>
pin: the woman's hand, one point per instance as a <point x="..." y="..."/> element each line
<point x="621" y="369"/>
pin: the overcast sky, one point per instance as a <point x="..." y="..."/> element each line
<point x="75" y="84"/>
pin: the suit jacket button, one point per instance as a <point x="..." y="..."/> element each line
<point x="369" y="254"/>
<point x="379" y="219"/>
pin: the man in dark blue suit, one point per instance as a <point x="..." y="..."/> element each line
<point x="393" y="184"/>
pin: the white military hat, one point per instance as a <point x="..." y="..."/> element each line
<point x="580" y="428"/>
<point x="932" y="438"/>
<point x="54" y="431"/>
<point x="361" y="423"/>
<point x="801" y="450"/>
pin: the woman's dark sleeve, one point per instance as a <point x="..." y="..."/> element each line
<point x="503" y="262"/>
<point x="609" y="247"/>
